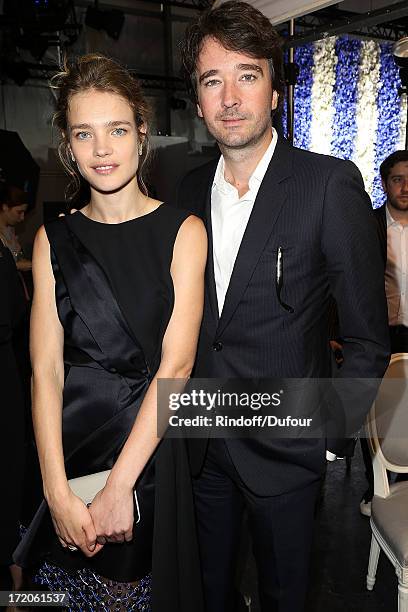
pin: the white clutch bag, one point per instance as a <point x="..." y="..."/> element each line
<point x="86" y="487"/>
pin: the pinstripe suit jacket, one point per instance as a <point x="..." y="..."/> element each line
<point x="381" y="218"/>
<point x="315" y="208"/>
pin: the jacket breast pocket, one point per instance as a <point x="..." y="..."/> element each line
<point x="276" y="254"/>
<point x="274" y="276"/>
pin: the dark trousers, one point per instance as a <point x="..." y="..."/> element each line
<point x="281" y="528"/>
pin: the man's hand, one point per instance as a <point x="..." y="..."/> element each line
<point x="337" y="349"/>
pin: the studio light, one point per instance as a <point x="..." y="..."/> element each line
<point x="400" y="52"/>
<point x="400" y="49"/>
<point x="16" y="71"/>
<point x="111" y="21"/>
<point x="34" y="24"/>
<point x="36" y="44"/>
<point x="38" y="15"/>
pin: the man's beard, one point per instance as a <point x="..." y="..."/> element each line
<point x="394" y="203"/>
<point x="239" y="141"/>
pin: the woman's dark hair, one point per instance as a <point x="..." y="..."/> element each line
<point x="12" y="196"/>
<point x="390" y="161"/>
<point x="95" y="71"/>
<point x="239" y="27"/>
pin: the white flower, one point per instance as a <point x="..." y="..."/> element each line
<point x="324" y="78"/>
<point x="367" y="112"/>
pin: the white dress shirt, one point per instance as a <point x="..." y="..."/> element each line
<point x="396" y="280"/>
<point x="229" y="218"/>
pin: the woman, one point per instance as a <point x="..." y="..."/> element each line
<point x="13" y="207"/>
<point x="118" y="302"/>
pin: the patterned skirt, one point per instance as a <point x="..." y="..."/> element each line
<point x="88" y="592"/>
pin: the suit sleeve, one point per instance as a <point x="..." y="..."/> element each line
<point x="355" y="267"/>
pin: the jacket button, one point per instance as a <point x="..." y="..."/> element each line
<point x="217" y="346"/>
<point x="113" y="370"/>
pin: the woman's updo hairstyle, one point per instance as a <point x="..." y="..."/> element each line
<point x="95" y="71"/>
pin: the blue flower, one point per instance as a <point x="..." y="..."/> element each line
<point x="388" y="128"/>
<point x="345" y="97"/>
<point x="302" y="106"/>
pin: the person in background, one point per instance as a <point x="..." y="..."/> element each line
<point x="393" y="230"/>
<point x="13" y="307"/>
<point x="13" y="208"/>
<point x="392" y="220"/>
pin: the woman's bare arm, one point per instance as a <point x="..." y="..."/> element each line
<point x="71" y="518"/>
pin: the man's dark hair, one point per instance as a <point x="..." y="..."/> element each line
<point x="239" y="27"/>
<point x="390" y="161"/>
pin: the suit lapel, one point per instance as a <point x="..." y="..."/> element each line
<point x="268" y="204"/>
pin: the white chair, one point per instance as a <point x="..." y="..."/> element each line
<point x="387" y="428"/>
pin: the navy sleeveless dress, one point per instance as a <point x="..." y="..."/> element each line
<point x="114" y="296"/>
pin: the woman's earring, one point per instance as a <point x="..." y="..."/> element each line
<point x="140" y="149"/>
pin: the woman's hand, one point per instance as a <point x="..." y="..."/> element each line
<point x="73" y="524"/>
<point x="112" y="514"/>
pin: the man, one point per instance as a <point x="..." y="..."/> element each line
<point x="393" y="226"/>
<point x="286" y="228"/>
<point x="393" y="231"/>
